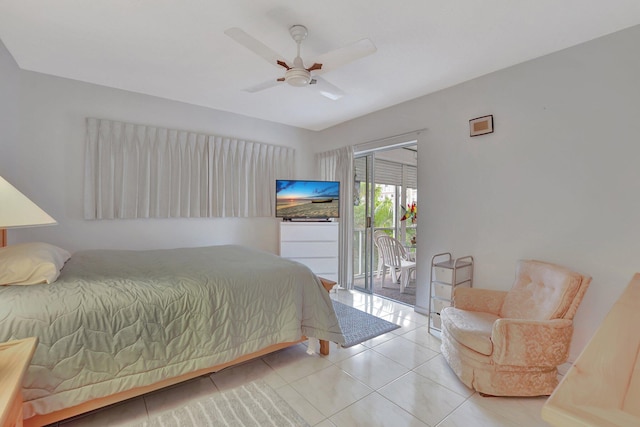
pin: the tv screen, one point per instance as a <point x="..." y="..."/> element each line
<point x="297" y="199"/>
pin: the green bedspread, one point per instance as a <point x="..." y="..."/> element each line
<point x="115" y="320"/>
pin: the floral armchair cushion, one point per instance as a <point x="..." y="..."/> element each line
<point x="542" y="291"/>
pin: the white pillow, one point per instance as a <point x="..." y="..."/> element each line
<point x="31" y="263"/>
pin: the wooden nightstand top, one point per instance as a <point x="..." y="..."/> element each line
<point x="328" y="284"/>
<point x="15" y="357"/>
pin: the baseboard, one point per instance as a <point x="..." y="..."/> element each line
<point x="421" y="310"/>
<point x="564" y="368"/>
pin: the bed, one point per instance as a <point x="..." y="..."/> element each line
<point x="116" y="324"/>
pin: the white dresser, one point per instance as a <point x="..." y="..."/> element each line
<point x="314" y="244"/>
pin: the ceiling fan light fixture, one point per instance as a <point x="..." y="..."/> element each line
<point x="296" y="74"/>
<point x="297" y="77"/>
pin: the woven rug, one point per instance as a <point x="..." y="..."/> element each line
<point x="358" y="326"/>
<point x="254" y="404"/>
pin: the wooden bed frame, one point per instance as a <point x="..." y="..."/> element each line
<point x="43" y="420"/>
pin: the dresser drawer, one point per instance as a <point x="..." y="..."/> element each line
<point x="441" y="290"/>
<point x="445" y="275"/>
<point x="296" y="232"/>
<point x="320" y="266"/>
<point x="306" y="250"/>
<point x="439" y="304"/>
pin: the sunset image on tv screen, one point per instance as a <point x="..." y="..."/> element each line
<point x="307" y="199"/>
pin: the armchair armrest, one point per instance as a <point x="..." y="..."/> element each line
<point x="475" y="299"/>
<point x="519" y="342"/>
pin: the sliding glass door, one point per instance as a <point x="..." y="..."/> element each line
<point x="363" y="217"/>
<point x="385" y="201"/>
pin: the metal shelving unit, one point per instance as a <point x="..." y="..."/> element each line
<point x="446" y="274"/>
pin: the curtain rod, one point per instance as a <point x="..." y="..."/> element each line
<point x="366" y="146"/>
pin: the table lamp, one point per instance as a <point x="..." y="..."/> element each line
<point x="16" y="210"/>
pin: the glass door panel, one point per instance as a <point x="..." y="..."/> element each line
<point x="363" y="208"/>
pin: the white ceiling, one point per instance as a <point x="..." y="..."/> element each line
<point x="177" y="49"/>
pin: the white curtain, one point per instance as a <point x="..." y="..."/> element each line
<point x="337" y="165"/>
<point x="136" y="171"/>
<point x="243" y="176"/>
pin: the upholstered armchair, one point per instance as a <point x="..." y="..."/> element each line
<point x="509" y="343"/>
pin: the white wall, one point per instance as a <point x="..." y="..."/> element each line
<point x="559" y="180"/>
<point x="49" y="159"/>
<point x="9" y="104"/>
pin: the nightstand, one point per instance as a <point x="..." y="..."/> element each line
<point x="327" y="284"/>
<point x="15" y="357"/>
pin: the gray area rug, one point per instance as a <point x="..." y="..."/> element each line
<point x="358" y="326"/>
<point x="254" y="404"/>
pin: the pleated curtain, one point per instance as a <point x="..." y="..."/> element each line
<point x="137" y="171"/>
<point x="337" y="165"/>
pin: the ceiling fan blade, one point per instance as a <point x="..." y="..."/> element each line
<point x="327" y="89"/>
<point x="344" y="55"/>
<point x="254" y="45"/>
<point x="263" y="85"/>
<point x="284" y="64"/>
<point x="315" y="67"/>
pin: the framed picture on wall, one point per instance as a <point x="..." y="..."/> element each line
<point x="481" y="125"/>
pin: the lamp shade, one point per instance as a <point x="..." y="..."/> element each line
<point x="16" y="210"/>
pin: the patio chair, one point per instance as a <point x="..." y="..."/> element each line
<point x="395" y="257"/>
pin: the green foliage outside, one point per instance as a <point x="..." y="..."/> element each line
<point x="383" y="217"/>
<point x="383" y="211"/>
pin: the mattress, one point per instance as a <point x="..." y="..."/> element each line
<point x="117" y="319"/>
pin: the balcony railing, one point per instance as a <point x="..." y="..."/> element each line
<point x="359" y="246"/>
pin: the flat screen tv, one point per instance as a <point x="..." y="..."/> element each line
<point x="298" y="199"/>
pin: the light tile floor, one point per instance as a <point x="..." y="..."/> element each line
<point x="397" y="379"/>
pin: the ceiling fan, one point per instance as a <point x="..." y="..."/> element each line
<point x="296" y="74"/>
